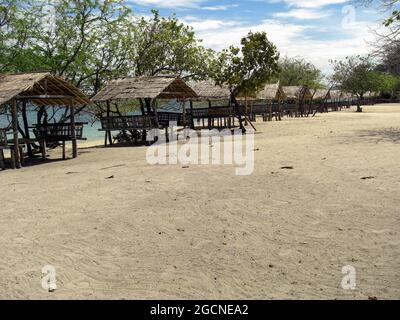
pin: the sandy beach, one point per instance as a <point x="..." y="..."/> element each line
<point x="116" y="227"/>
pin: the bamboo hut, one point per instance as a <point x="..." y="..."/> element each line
<point x="148" y="90"/>
<point x="215" y="115"/>
<point x="42" y="89"/>
<point x="320" y="99"/>
<point x="297" y="100"/>
<point x="336" y="99"/>
<point x="267" y="102"/>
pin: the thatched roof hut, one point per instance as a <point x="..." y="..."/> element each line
<point x="336" y="94"/>
<point x="272" y="92"/>
<point x="297" y="93"/>
<point x="45" y="89"/>
<point x="321" y="94"/>
<point x="41" y="89"/>
<point x="160" y="87"/>
<point x="208" y="90"/>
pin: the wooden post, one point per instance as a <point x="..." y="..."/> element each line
<point x="108" y="133"/>
<point x="16" y="162"/>
<point x="26" y="128"/>
<point x="209" y="117"/>
<point x="73" y="131"/>
<point x="157" y="124"/>
<point x="184" y="113"/>
<point x="191" y="111"/>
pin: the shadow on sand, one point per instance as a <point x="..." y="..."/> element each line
<point x="384" y="135"/>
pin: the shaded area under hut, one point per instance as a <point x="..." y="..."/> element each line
<point x="266" y="103"/>
<point x="218" y="111"/>
<point x="298" y="101"/>
<point x="147" y="91"/>
<point x="42" y="90"/>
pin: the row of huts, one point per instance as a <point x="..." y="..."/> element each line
<point x="197" y="105"/>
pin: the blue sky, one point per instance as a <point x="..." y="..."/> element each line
<point x="318" y="30"/>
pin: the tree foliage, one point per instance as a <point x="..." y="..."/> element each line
<point x="359" y="75"/>
<point x="90" y="41"/>
<point x="299" y="72"/>
<point x="246" y="70"/>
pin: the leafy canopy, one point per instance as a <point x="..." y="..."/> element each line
<point x="246" y="70"/>
<point x="299" y="72"/>
<point x="358" y="75"/>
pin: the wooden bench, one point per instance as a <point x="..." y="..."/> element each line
<point x="57" y="132"/>
<point x="7" y="144"/>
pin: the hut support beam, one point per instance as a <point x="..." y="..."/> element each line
<point x="73" y="131"/>
<point x="16" y="161"/>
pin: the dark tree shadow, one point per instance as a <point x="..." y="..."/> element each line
<point x="384" y="135"/>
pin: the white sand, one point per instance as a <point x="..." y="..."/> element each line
<point x="164" y="232"/>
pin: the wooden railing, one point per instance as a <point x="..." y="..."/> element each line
<point x="56" y="132"/>
<point x="127" y="123"/>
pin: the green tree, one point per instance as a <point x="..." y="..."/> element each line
<point x="248" y="69"/>
<point x="358" y="75"/>
<point x="165" y="45"/>
<point x="299" y="72"/>
<point x="18" y="21"/>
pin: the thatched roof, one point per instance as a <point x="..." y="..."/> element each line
<point x="160" y="87"/>
<point x="371" y="94"/>
<point x="347" y="95"/>
<point x="208" y="90"/>
<point x="322" y="94"/>
<point x="336" y="94"/>
<point x="271" y="92"/>
<point x="297" y="93"/>
<point x="42" y="84"/>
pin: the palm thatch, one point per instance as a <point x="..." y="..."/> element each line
<point x="347" y="95"/>
<point x="208" y="90"/>
<point x="48" y="89"/>
<point x="160" y="87"/>
<point x="321" y="94"/>
<point x="272" y="92"/>
<point x="371" y="94"/>
<point x="297" y="93"/>
<point x="336" y="94"/>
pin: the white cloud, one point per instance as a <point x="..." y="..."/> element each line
<point x="220" y="8"/>
<point x="291" y="39"/>
<point x="168" y="3"/>
<point x="303" y="14"/>
<point x="310" y="4"/>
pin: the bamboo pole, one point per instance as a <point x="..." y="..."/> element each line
<point x="16" y="161"/>
<point x="73" y="131"/>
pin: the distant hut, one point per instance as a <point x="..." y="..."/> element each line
<point x="271" y="96"/>
<point x="272" y="92"/>
<point x="218" y="113"/>
<point x="336" y="99"/>
<point x="320" y="99"/>
<point x="209" y="91"/>
<point x="42" y="89"/>
<point x="297" y="98"/>
<point x="148" y="90"/>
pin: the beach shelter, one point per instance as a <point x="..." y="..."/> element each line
<point x="297" y="93"/>
<point x="297" y="98"/>
<point x="42" y="89"/>
<point x="146" y="89"/>
<point x="216" y="115"/>
<point x="322" y="94"/>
